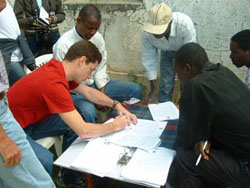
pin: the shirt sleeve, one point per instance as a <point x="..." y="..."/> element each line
<point x="59" y="52"/>
<point x="60" y="14"/>
<point x="248" y="78"/>
<point x="58" y="99"/>
<point x="189" y="32"/>
<point x="149" y="57"/>
<point x="196" y="115"/>
<point x="100" y="76"/>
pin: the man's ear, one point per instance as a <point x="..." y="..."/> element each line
<point x="82" y="60"/>
<point x="188" y="68"/>
<point x="79" y="20"/>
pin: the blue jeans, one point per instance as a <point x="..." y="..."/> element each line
<point x="118" y="90"/>
<point x="37" y="47"/>
<point x="167" y="76"/>
<point x="53" y="126"/>
<point x="29" y="172"/>
<point x="15" y="71"/>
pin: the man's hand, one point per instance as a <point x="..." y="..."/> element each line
<point x="50" y="19"/>
<point x="10" y="152"/>
<point x="120" y="123"/>
<point x="198" y="149"/>
<point x="32" y="66"/>
<point x="122" y="111"/>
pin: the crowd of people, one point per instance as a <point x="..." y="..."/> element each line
<point x="61" y="97"/>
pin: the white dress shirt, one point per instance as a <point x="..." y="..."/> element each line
<point x="99" y="76"/>
<point x="182" y="31"/>
<point x="9" y="29"/>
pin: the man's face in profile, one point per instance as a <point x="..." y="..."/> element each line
<point x="239" y="56"/>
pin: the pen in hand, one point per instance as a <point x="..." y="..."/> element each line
<point x="199" y="158"/>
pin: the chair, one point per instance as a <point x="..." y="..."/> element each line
<point x="48" y="141"/>
<point x="41" y="60"/>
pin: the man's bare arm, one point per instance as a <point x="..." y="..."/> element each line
<point x="9" y="150"/>
<point x="88" y="130"/>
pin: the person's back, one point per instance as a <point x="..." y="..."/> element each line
<point x="214" y="124"/>
<point x="227" y="103"/>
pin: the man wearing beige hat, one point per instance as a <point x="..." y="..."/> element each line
<point x="166" y="31"/>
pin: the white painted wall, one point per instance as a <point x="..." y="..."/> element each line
<point x="215" y="22"/>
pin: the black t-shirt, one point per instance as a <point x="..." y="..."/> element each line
<point x="215" y="105"/>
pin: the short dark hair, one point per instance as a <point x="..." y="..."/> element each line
<point x="191" y="53"/>
<point x="84" y="48"/>
<point x="243" y="39"/>
<point x="89" y="11"/>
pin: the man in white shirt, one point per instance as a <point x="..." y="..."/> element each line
<point x="14" y="47"/>
<point x="167" y="32"/>
<point x="88" y="22"/>
<point x="240" y="51"/>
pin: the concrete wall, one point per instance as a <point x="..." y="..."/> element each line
<point x="215" y="21"/>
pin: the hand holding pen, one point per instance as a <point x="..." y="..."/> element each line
<point x="202" y="149"/>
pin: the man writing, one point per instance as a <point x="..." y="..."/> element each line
<point x="87" y="24"/>
<point x="42" y="104"/>
<point x="214" y="106"/>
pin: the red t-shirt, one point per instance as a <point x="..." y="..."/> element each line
<point x="40" y="94"/>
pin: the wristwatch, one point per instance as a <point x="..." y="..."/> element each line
<point x="115" y="102"/>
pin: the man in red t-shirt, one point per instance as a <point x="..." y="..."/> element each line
<point x="42" y="104"/>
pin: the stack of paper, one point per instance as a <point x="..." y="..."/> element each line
<point x="145" y="135"/>
<point x="163" y="111"/>
<point x="98" y="157"/>
<point x="150" y="167"/>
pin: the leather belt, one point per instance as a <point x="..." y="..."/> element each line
<point x="2" y="95"/>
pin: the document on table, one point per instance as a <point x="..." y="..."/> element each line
<point x="149" y="167"/>
<point x="163" y="111"/>
<point x="145" y="134"/>
<point x="98" y="157"/>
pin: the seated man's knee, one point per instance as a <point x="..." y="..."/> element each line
<point x="87" y="111"/>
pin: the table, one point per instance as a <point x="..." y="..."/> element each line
<point x="168" y="138"/>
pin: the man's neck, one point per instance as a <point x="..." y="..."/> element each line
<point x="78" y="32"/>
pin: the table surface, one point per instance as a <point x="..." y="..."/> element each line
<point x="168" y="140"/>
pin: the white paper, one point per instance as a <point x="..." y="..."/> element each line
<point x="132" y="101"/>
<point x="149" y="167"/>
<point x="98" y="157"/>
<point x="164" y="111"/>
<point x="43" y="15"/>
<point x="145" y="134"/>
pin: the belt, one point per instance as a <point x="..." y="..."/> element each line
<point x="2" y="95"/>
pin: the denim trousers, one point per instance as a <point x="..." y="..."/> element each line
<point x="29" y="172"/>
<point x="53" y="126"/>
<point x="15" y="71"/>
<point x="117" y="90"/>
<point x="167" y="76"/>
<point x="36" y="47"/>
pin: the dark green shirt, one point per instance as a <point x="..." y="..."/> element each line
<point x="215" y="105"/>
